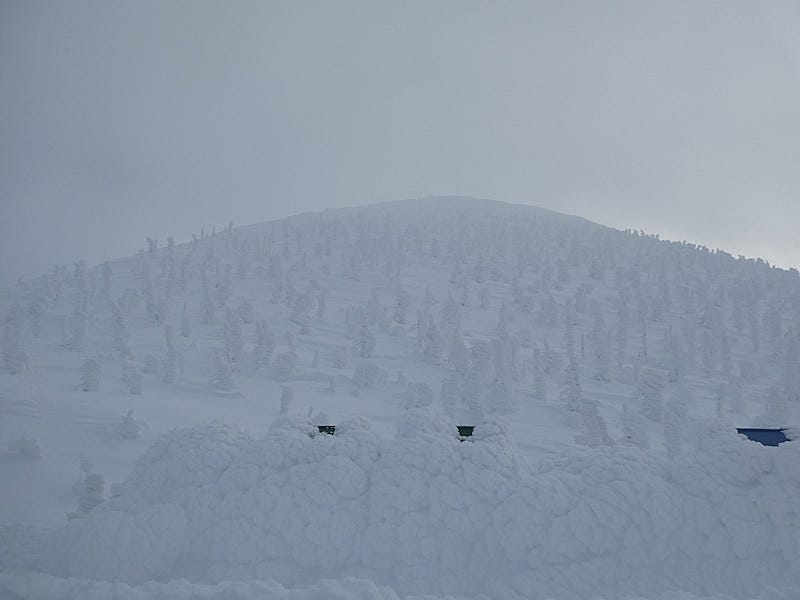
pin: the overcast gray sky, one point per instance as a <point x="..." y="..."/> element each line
<point x="125" y="119"/>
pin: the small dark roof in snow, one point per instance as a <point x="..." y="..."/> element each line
<point x="765" y="437"/>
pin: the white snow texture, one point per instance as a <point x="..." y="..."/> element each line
<point x="426" y="514"/>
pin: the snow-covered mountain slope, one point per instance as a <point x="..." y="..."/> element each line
<point x="605" y="372"/>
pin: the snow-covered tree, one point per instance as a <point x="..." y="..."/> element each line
<point x="129" y="428"/>
<point x="90" y="375"/>
<point x="14" y="356"/>
<point x="186" y="324"/>
<point x="79" y="325"/>
<point x="264" y="344"/>
<point x="172" y="358"/>
<point x="340" y="357"/>
<point x="450" y="323"/>
<point x="600" y="349"/>
<point x="433" y="345"/>
<point x="648" y="394"/>
<point x="234" y="342"/>
<point x="365" y="344"/>
<point x="132" y="377"/>
<point x="223" y="372"/>
<point x="633" y="425"/>
<point x="571" y="392"/>
<point x="593" y="428"/>
<point x="676" y="413"/>
<point x="26" y="447"/>
<point x="402" y="303"/>
<point x="539" y="384"/>
<point x="287" y="395"/>
<point x="92" y="495"/>
<point x="367" y="375"/>
<point x="284" y="365"/>
<point x="451" y="390"/>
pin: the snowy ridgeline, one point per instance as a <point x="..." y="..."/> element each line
<point x="426" y="514"/>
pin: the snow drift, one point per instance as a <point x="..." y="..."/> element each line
<point x="425" y="513"/>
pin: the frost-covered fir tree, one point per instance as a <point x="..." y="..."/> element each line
<point x="171" y="359"/>
<point x="365" y="344"/>
<point x="376" y="313"/>
<point x="593" y="428"/>
<point x="676" y="414"/>
<point x="223" y="372"/>
<point x="208" y="303"/>
<point x="633" y="425"/>
<point x="623" y="317"/>
<point x="600" y="350"/>
<point x="284" y="365"/>
<point x="90" y="375"/>
<point x="539" y="384"/>
<point x="301" y="311"/>
<point x="571" y="392"/>
<point x="15" y="358"/>
<point x="264" y="345"/>
<point x="451" y="319"/>
<point x="234" y="341"/>
<point x="287" y="395"/>
<point x="151" y="364"/>
<point x="186" y="324"/>
<point x="340" y="357"/>
<point x="776" y="408"/>
<point x="648" y="394"/>
<point x="92" y="495"/>
<point x="27" y="448"/>
<point x="402" y="303"/>
<point x="36" y="312"/>
<point x="79" y="324"/>
<point x="451" y="390"/>
<point x="433" y="345"/>
<point x="500" y="388"/>
<point x="129" y="428"/>
<point x="132" y="377"/>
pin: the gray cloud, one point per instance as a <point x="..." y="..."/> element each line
<point x="119" y="120"/>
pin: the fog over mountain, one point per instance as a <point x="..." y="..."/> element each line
<point x="123" y="119"/>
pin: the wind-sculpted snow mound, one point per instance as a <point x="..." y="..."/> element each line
<point x="425" y="513"/>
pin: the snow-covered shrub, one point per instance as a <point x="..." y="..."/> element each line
<point x="129" y="428"/>
<point x="90" y="375"/>
<point x="26" y="447"/>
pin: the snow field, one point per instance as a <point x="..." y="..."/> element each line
<point x="426" y="514"/>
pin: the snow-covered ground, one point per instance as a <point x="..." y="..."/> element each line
<point x="605" y="372"/>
